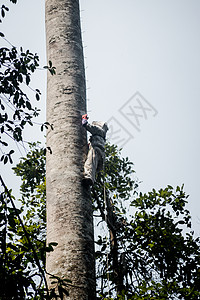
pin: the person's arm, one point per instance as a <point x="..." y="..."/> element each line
<point x="94" y="130"/>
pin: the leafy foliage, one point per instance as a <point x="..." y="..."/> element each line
<point x="146" y="249"/>
<point x="16" y="108"/>
<point x="152" y="252"/>
<point x="23" y="240"/>
<point x="20" y="253"/>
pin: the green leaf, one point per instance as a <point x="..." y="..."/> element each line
<point x="37" y="96"/>
<point x="28" y="105"/>
<point x="28" y="79"/>
<point x="2" y="13"/>
<point x="5" y="160"/>
<point x="50" y="64"/>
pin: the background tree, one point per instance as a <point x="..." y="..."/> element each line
<point x="69" y="205"/>
<point x="17" y="110"/>
<point x="152" y="252"/>
<point x="23" y="236"/>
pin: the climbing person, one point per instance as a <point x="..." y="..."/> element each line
<point x="96" y="154"/>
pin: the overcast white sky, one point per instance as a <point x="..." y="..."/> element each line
<point x="143" y="72"/>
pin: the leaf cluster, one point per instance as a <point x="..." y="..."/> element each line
<point x="19" y="249"/>
<point x="5" y="9"/>
<point x="16" y="109"/>
<point x="152" y="252"/>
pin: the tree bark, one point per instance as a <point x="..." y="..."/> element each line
<point x="69" y="206"/>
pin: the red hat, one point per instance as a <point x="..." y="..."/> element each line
<point x="85" y="116"/>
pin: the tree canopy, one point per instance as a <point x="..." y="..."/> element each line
<point x="152" y="252"/>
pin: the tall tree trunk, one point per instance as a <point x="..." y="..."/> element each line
<point x="69" y="207"/>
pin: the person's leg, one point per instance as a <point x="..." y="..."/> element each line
<point x="90" y="166"/>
